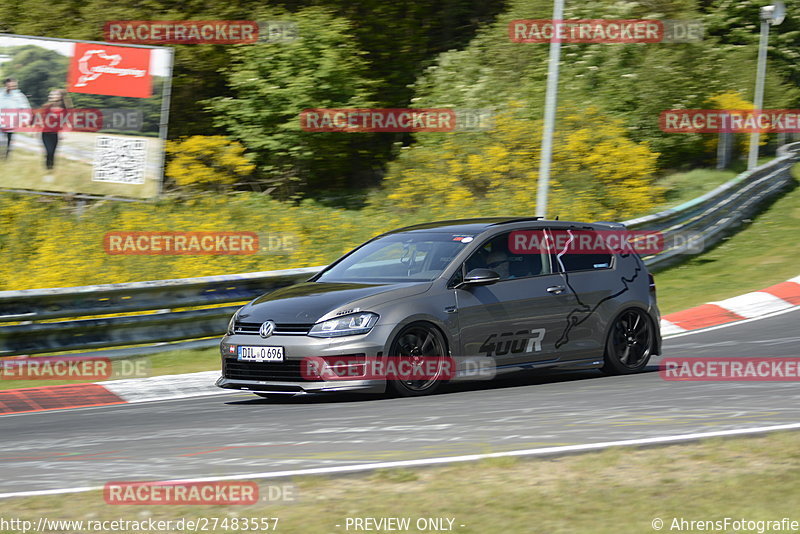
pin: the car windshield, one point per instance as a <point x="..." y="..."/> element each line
<point x="403" y="257"/>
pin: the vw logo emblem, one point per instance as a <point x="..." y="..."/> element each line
<point x="267" y="329"/>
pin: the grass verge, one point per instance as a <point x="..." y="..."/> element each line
<point x="681" y="187"/>
<point x="25" y="170"/>
<point x="616" y="491"/>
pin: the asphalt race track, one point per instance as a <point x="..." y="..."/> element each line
<point x="239" y="433"/>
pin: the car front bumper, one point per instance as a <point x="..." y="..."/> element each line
<point x="286" y="377"/>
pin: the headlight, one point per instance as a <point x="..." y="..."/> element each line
<point x="232" y="322"/>
<point x="346" y="325"/>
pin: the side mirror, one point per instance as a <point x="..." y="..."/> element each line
<point x="481" y="277"/>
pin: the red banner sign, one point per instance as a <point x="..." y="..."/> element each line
<point x="99" y="69"/>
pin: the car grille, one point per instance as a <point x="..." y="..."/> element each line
<point x="281" y="329"/>
<point x="287" y="371"/>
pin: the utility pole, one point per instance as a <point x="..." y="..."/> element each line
<point x="771" y="15"/>
<point x="550" y="101"/>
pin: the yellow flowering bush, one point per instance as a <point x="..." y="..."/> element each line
<point x="207" y="161"/>
<point x="597" y="171"/>
<point x="43" y="243"/>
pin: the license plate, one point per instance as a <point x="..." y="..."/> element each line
<point x="260" y="354"/>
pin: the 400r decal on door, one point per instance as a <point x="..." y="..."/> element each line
<point x="513" y="342"/>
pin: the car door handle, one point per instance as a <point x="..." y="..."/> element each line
<point x="555" y="290"/>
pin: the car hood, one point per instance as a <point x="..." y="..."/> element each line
<point x="310" y="302"/>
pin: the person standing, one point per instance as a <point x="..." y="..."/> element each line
<point x="52" y="115"/>
<point x="11" y="98"/>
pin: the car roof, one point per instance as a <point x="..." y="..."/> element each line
<point x="481" y="224"/>
<point x="469" y="226"/>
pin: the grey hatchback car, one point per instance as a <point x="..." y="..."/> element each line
<point x="453" y="300"/>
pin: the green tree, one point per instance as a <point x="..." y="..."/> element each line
<point x="633" y="82"/>
<point x="38" y="70"/>
<point x="737" y="23"/>
<point x="272" y="83"/>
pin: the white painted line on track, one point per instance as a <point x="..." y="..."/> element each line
<point x="543" y="451"/>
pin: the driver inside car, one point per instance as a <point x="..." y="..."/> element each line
<point x="498" y="261"/>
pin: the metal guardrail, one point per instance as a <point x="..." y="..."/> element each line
<point x="703" y="222"/>
<point x="158" y="298"/>
<point x="38" y="321"/>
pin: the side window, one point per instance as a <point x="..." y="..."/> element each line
<point x="584" y="258"/>
<point x="509" y="261"/>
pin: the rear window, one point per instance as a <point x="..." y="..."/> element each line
<point x="584" y="262"/>
<point x="585" y="258"/>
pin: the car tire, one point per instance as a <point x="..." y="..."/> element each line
<point x="414" y="341"/>
<point x="630" y="343"/>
